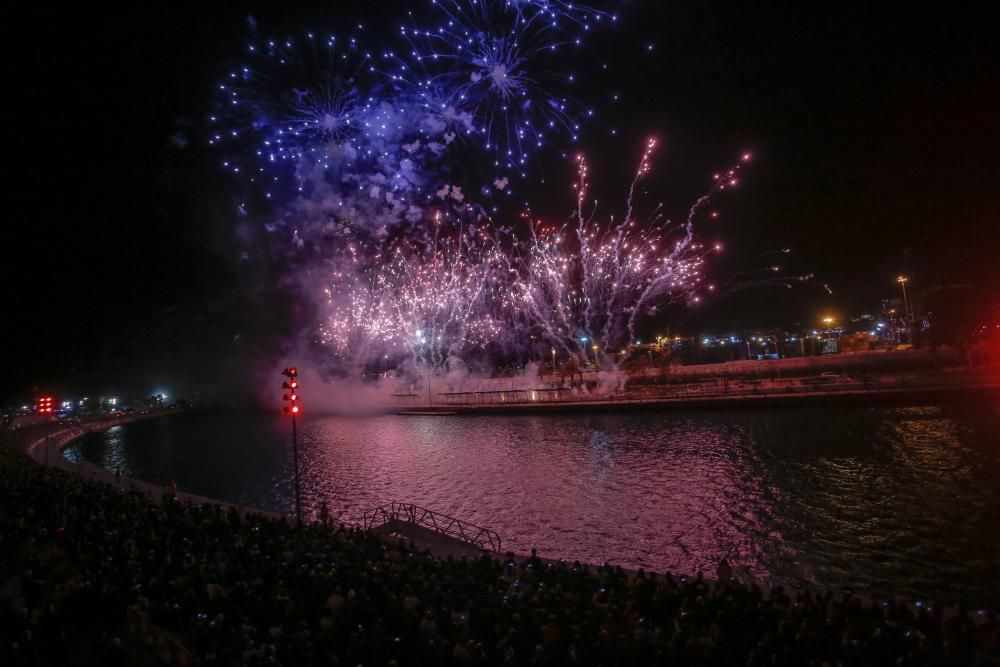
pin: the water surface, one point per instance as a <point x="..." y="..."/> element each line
<point x="881" y="500"/>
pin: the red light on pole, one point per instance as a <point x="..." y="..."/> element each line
<point x="293" y="409"/>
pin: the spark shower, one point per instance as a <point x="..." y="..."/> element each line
<point x="381" y="169"/>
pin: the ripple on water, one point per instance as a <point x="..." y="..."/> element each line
<point x="882" y="500"/>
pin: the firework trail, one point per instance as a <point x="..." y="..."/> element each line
<point x="501" y="65"/>
<point x="425" y="300"/>
<point x="290" y="102"/>
<point x="316" y="134"/>
<point x="593" y="280"/>
<point x="749" y="274"/>
<point x="350" y="164"/>
<point x="375" y="167"/>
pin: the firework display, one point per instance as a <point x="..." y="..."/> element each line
<point x="421" y="300"/>
<point x="590" y="281"/>
<point x="494" y="61"/>
<point x="380" y="163"/>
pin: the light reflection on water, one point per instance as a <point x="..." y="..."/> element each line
<point x="883" y="500"/>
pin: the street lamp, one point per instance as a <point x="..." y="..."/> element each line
<point x="828" y="321"/>
<point x="902" y="280"/>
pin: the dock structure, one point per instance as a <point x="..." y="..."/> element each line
<point x="506" y="396"/>
<point x="708" y="393"/>
<point x="441" y="533"/>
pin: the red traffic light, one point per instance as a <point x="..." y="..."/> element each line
<point x="291" y="410"/>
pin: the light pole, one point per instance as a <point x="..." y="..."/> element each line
<point x="828" y="321"/>
<point x="553" y="366"/>
<point x="907" y="315"/>
<point x="293" y="409"/>
<point x="902" y="280"/>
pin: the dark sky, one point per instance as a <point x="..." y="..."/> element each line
<point x="874" y="131"/>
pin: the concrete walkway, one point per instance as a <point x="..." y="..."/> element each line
<point x="48" y="451"/>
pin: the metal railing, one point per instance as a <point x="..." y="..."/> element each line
<point x="484" y="538"/>
<point x="735" y="387"/>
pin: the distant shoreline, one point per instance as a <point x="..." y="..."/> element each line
<point x="906" y="396"/>
<point x="47" y="450"/>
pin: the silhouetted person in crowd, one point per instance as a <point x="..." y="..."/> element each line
<point x="724" y="572"/>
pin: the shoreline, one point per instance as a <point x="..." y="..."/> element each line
<point x="48" y="451"/>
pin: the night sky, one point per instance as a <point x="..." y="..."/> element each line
<point x="874" y="132"/>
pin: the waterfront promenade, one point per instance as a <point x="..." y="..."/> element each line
<point x="212" y="586"/>
<point x="723" y="391"/>
<point x="45" y="445"/>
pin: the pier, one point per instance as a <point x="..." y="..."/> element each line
<point x="724" y="392"/>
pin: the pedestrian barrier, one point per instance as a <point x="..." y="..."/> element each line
<point x="483" y="538"/>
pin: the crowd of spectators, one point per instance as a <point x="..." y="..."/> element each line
<point x="76" y="556"/>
